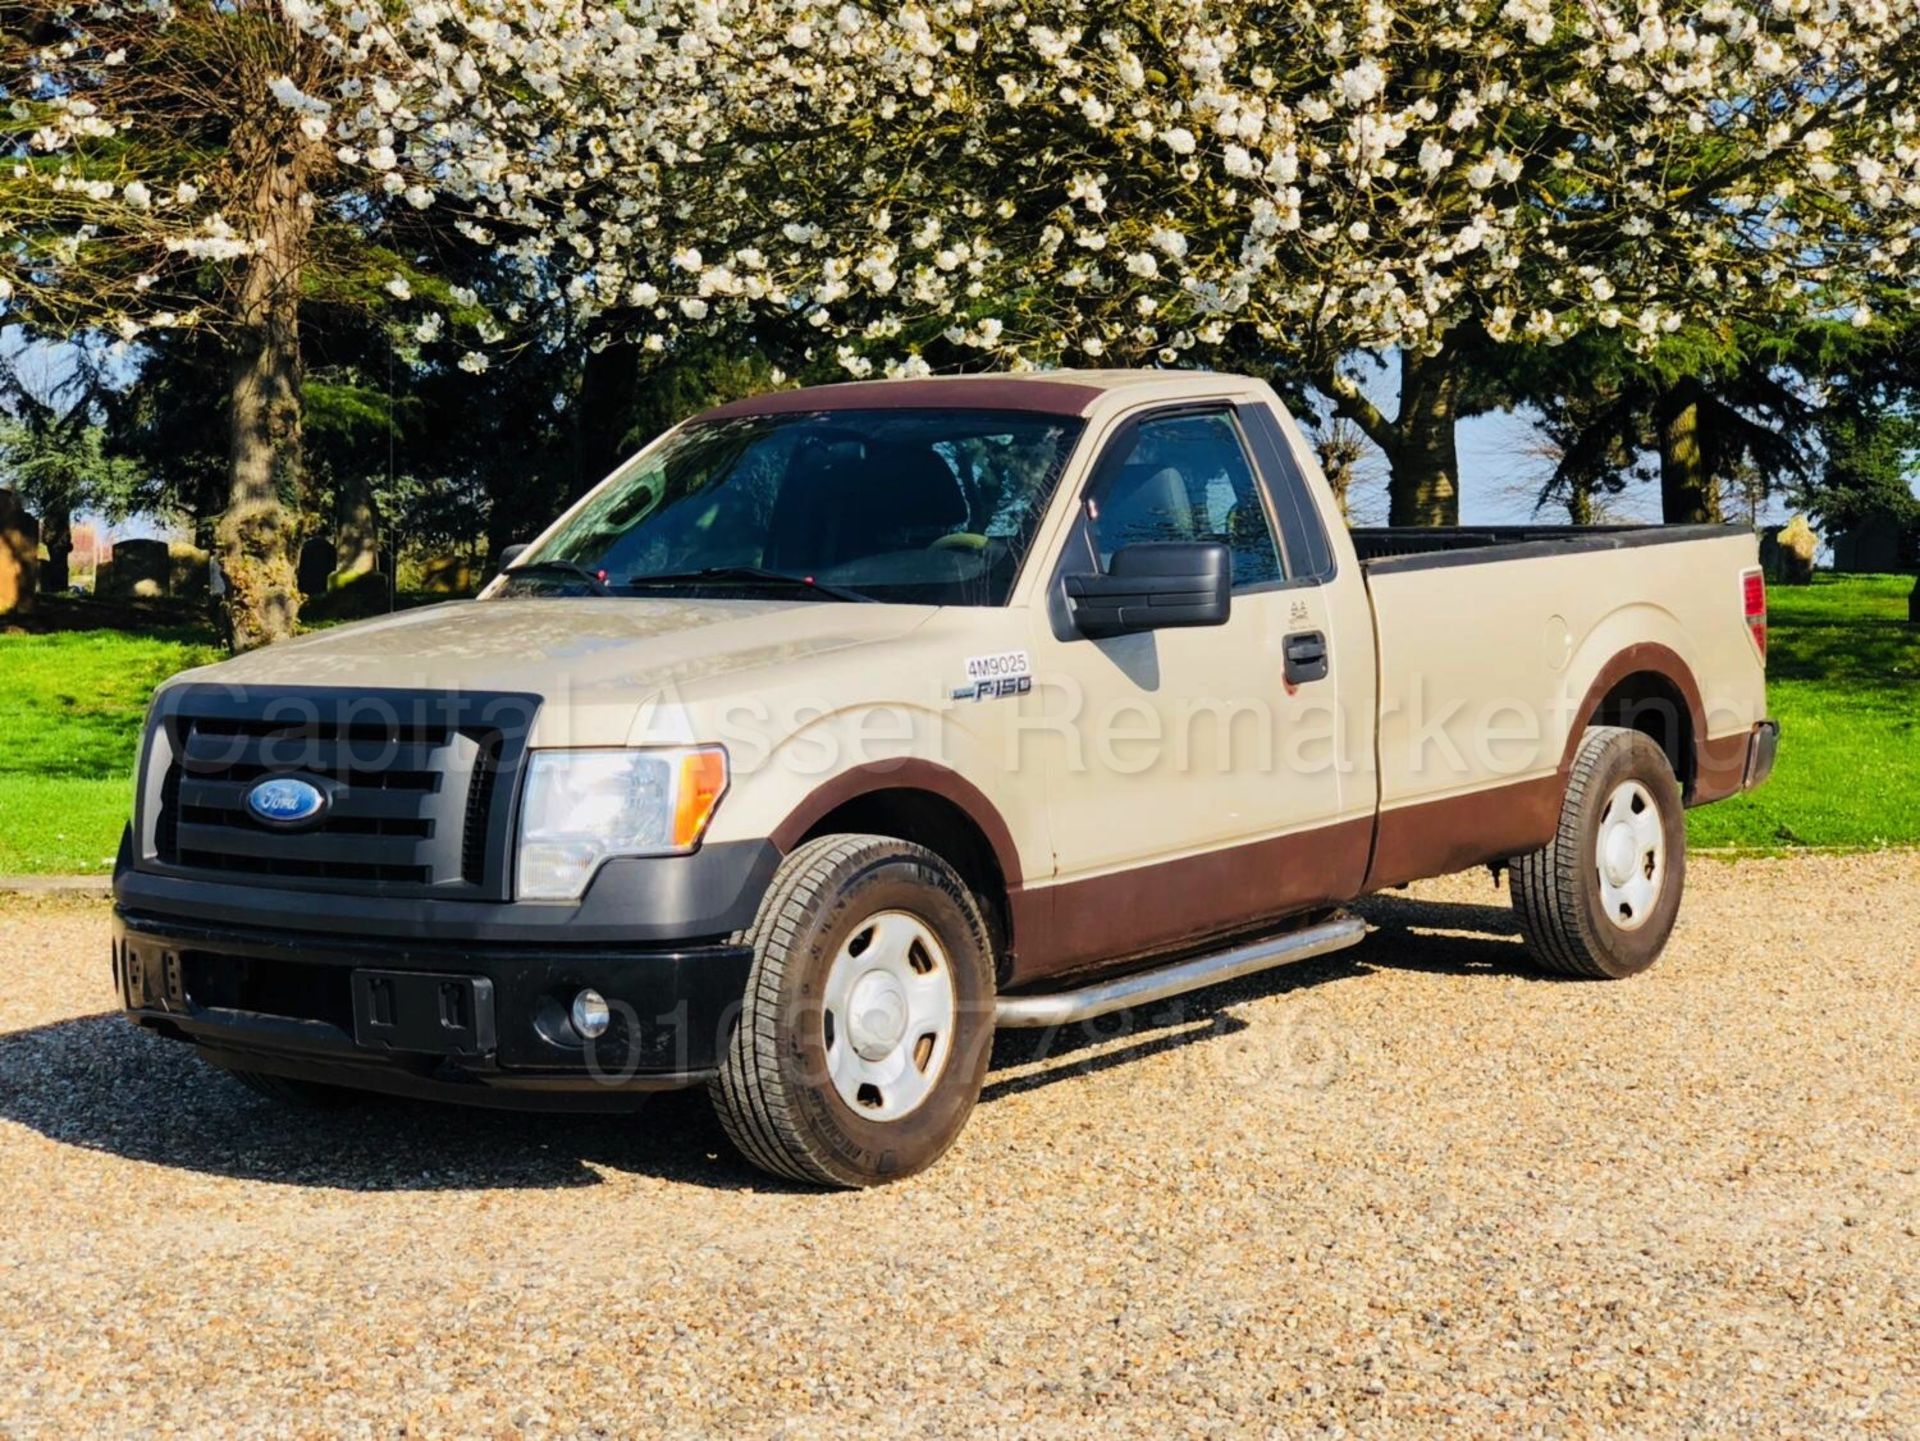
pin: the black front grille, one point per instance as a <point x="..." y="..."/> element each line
<point x="334" y="825"/>
<point x="481" y="789"/>
<point x="418" y="786"/>
<point x="323" y="870"/>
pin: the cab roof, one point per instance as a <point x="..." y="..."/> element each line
<point x="1046" y="392"/>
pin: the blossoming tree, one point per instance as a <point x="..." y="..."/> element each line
<point x="216" y="163"/>
<point x="964" y="182"/>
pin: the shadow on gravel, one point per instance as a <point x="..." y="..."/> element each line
<point x="98" y="1083"/>
<point x="1452" y="937"/>
<point x="1443" y="937"/>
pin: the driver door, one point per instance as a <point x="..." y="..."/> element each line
<point x="1194" y="786"/>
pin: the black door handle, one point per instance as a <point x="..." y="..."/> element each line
<point x="1306" y="653"/>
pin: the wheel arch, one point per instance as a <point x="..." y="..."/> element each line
<point x="1648" y="688"/>
<point x="929" y="805"/>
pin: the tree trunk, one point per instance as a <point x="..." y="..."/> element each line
<point x="19" y="556"/>
<point x="357" y="536"/>
<point x="608" y="379"/>
<point x="1689" y="495"/>
<point x="56" y="534"/>
<point x="256" y="536"/>
<point x="1579" y="503"/>
<point x="1424" y="487"/>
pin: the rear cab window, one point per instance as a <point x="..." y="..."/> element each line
<point x="1303" y="533"/>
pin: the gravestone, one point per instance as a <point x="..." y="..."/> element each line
<point x="1798" y="546"/>
<point x="191" y="570"/>
<point x="317" y="562"/>
<point x="19" y="556"/>
<point x="142" y="568"/>
<point x="350" y="597"/>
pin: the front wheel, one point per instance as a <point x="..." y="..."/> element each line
<point x="864" y="1034"/>
<point x="1599" y="899"/>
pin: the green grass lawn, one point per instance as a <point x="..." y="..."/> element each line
<point x="1843" y="681"/>
<point x="71" y="704"/>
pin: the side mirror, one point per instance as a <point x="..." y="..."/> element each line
<point x="511" y="554"/>
<point x="1154" y="586"/>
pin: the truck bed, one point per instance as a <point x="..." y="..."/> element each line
<point x="1496" y="645"/>
<point x="1422" y="547"/>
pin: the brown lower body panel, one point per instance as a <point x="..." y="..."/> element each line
<point x="1129" y="914"/>
<point x="1435" y="838"/>
<point x="1113" y="919"/>
<point x="1120" y="917"/>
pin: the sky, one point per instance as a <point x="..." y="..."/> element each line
<point x="1502" y="468"/>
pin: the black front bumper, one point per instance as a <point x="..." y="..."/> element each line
<point x="456" y="1020"/>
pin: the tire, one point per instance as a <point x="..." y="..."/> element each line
<point x="1599" y="899"/>
<point x="819" y="1089"/>
<point x="301" y="1095"/>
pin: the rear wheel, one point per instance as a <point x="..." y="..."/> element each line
<point x="1599" y="899"/>
<point x="864" y="1033"/>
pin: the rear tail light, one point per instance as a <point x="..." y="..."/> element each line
<point x="1753" y="604"/>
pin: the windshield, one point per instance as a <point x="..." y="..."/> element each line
<point x="927" y="507"/>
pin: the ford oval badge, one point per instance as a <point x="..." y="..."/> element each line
<point x="286" y="801"/>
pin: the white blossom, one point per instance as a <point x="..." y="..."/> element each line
<point x="1168" y="241"/>
<point x="1163" y="181"/>
<point x="1362" y="83"/>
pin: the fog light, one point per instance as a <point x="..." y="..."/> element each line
<point x="591" y="1015"/>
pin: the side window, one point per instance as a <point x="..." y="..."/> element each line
<point x="1309" y="552"/>
<point x="1183" y="477"/>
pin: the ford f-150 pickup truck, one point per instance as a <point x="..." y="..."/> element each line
<point x="839" y="727"/>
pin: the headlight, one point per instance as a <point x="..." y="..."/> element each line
<point x="581" y="807"/>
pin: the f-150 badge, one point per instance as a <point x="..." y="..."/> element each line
<point x="1010" y="672"/>
<point x="993" y="689"/>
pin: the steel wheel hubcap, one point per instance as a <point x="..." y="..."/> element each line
<point x="877" y="1015"/>
<point x="887" y="1015"/>
<point x="1630" y="855"/>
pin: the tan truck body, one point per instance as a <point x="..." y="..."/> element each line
<point x="841" y="727"/>
<point x="1155" y="788"/>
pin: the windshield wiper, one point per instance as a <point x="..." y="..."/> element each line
<point x="596" y="582"/>
<point x="751" y="575"/>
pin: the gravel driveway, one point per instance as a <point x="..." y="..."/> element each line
<point x="1407" y="1185"/>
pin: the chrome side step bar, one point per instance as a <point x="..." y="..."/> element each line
<point x="1065" y="1007"/>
